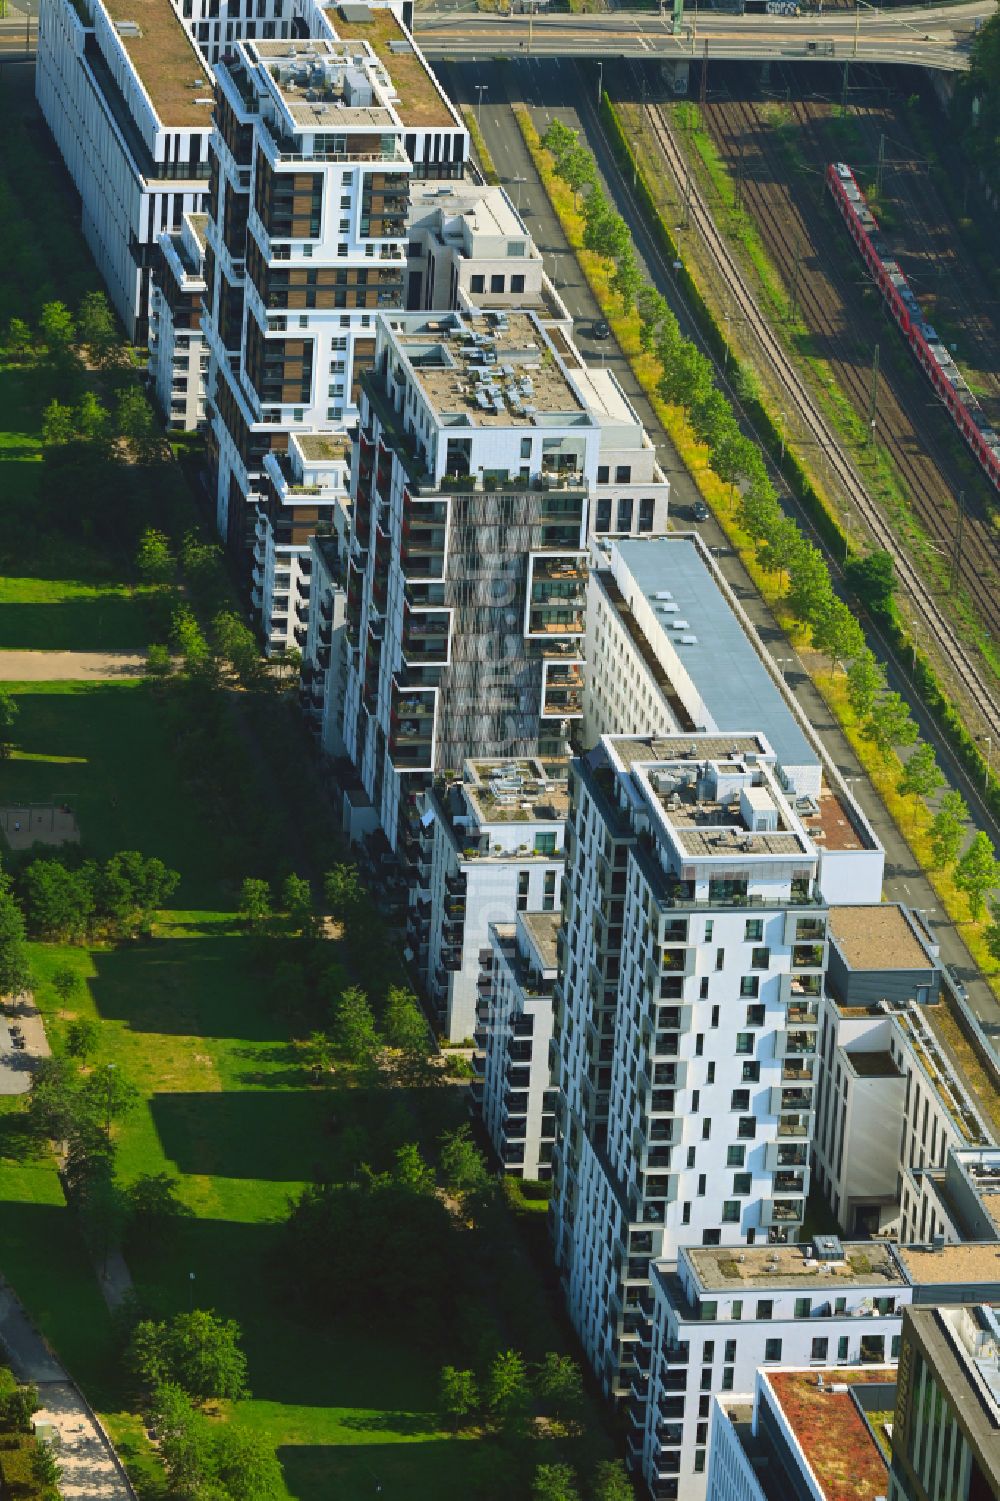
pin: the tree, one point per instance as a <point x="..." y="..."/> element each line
<point x="54" y="1107"/>
<point x="108" y="1096"/>
<point x="58" y="424"/>
<point x="196" y="1351"/>
<point x="97" y="330"/>
<point x="873" y="579"/>
<point x="889" y="725"/>
<point x="131" y="888"/>
<point x="411" y="1172"/>
<point x="343" y="892"/>
<point x="19" y="1406"/>
<point x="947" y="830"/>
<point x="463" y="1166"/>
<point x="136" y="426"/>
<point x="154" y="1207"/>
<point x="89" y="1169"/>
<point x="66" y="982"/>
<point x="8" y="719"/>
<point x="245" y="1464"/>
<point x="317" y="1055"/>
<point x="992" y="933"/>
<point x="687" y="379"/>
<point x="977" y="873"/>
<point x="154" y="559"/>
<point x="19" y="340"/>
<point x="190" y="641"/>
<point x="93" y="422"/>
<point x="810" y="591"/>
<point x="865" y="681"/>
<point x="183" y="1437"/>
<point x="297" y="900"/>
<point x="56" y="327"/>
<point x="611" y="1482"/>
<point x="778" y="547"/>
<point x="405" y="1029"/>
<point x="921" y="774"/>
<point x="353" y="1031"/>
<point x="44" y="1469"/>
<point x="507" y="1391"/>
<point x="554" y="1483"/>
<point x="458" y="1394"/>
<point x="59" y="903"/>
<point x="159" y="662"/>
<point x="836" y="632"/>
<point x="15" y="968"/>
<point x="81" y="1037"/>
<point x="239" y="646"/>
<point x="558" y="1385"/>
<point x="255" y="909"/>
<point x="627" y="279"/>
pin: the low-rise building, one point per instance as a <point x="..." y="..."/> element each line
<point x="960" y="1201"/>
<point x="512" y="1084"/>
<point x="468" y="248"/>
<point x="494" y="845"/>
<point x="178" y="354"/>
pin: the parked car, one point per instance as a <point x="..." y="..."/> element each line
<point x="701" y="511"/>
<point x="601" y="329"/>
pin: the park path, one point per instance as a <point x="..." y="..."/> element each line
<point x="71" y="666"/>
<point x="89" y="1468"/>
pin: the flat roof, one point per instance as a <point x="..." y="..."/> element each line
<point x="634" y="750"/>
<point x="732" y="1269"/>
<point x="317" y="447"/>
<point x="166" y="60"/>
<point x="541" y="928"/>
<point x="837" y="1444"/>
<point x="877" y="936"/>
<point x="970" y="1386"/>
<point x="419" y="100"/>
<point x="525" y="790"/>
<point x="991" y="1203"/>
<point x="873" y="1065"/>
<point x="975" y="1261"/>
<point x="831" y="827"/>
<point x="723" y="662"/>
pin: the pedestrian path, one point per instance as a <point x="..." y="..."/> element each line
<point x="69" y="666"/>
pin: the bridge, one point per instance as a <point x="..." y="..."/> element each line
<point x="929" y="37"/>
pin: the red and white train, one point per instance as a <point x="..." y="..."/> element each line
<point x="937" y="363"/>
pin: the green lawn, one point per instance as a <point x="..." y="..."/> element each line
<point x="41" y="614"/>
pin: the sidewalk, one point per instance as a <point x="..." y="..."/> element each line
<point x="69" y="666"/>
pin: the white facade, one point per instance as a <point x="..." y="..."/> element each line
<point x="716" y="1320"/>
<point x="178" y="354"/>
<point x="216" y="33"/>
<point x="695" y="948"/>
<point x="495" y="842"/>
<point x="134" y="137"/>
<point x="513" y="1087"/>
<point x="325" y="651"/>
<point x="467" y="247"/>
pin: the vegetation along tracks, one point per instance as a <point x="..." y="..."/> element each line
<point x="827" y="441"/>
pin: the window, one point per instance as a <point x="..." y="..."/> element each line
<point x="624" y="516"/>
<point x="742" y="1184"/>
<point x="515" y="247"/>
<point x="730" y="1354"/>
<point x="691" y="1156"/>
<point x="477" y="284"/>
<point x="517" y="283"/>
<point x="695" y="1101"/>
<point x="803" y="1307"/>
<point x="645" y="515"/>
<point x="730" y="1211"/>
<point x="894" y="1347"/>
<point x="772" y="1351"/>
<point x="709" y="929"/>
<point x="523" y="878"/>
<point x="727" y="1378"/>
<point x="843" y="1345"/>
<point x="706" y="1379"/>
<point x="736" y="1312"/>
<point x="720" y="959"/>
<point x="623" y="473"/>
<point x="686" y="1214"/>
<point x="701" y="1185"/>
<point x="744" y="1042"/>
<point x="701" y="1434"/>
<point x="765" y="1308"/>
<point x="715" y="1017"/>
<point x="602" y="521"/>
<point x="736" y="1156"/>
<point x="711" y="1237"/>
<point x="549" y="893"/>
<point x="708" y="1352"/>
<point x="747" y="1128"/>
<point x="754" y="931"/>
<point x="497" y="283"/>
<point x="750" y="986"/>
<point x="755" y="1016"/>
<point x="706" y="1125"/>
<point x="699" y="1461"/>
<point x="707" y="1310"/>
<point x="819" y="1349"/>
<point x="603" y="473"/>
<point x="760" y="959"/>
<point x="740" y="1099"/>
<point x="710" y="1073"/>
<point x="751" y="1073"/>
<point x="703" y="989"/>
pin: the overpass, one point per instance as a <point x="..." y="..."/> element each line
<point x="929" y="37"/>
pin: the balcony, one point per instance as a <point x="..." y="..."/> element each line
<point x="785" y="1099"/>
<point x="799" y="988"/>
<point x="782" y="1212"/>
<point x="779" y="1154"/>
<point x="808" y="956"/>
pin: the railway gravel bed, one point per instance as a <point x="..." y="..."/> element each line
<point x="849" y="481"/>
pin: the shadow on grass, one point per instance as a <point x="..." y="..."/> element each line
<point x="112" y="622"/>
<point x="183" y="987"/>
<point x="248" y="1134"/>
<point x="434" y="1470"/>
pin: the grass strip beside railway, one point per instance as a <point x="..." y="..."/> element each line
<point x="912" y="826"/>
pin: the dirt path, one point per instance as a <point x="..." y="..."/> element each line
<point x="54" y="666"/>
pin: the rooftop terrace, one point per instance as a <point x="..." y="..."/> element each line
<point x="321" y="85"/>
<point x="168" y="64"/>
<point x="542" y="928"/>
<point x="491" y="370"/>
<point x="420" y="102"/>
<point x="975" y="1261"/>
<point x="725" y="1269"/>
<point x="836" y="1442"/>
<point x="877" y="936"/>
<point x="524" y="791"/>
<point x="708" y="827"/>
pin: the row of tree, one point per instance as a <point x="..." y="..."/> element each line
<point x="64" y="901"/>
<point x="687" y="380"/>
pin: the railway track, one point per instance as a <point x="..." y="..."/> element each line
<point x="965" y="671"/>
<point x="792" y="227"/>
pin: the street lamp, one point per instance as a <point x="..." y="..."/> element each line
<point x="914" y="627"/>
<point x="481" y="89"/>
<point x="782" y="417"/>
<point x="518" y="180"/>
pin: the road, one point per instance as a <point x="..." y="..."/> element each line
<point x="553" y="89"/>
<point x="933" y="38"/>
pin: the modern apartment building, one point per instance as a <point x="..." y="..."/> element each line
<point x="216" y="28"/>
<point x="960" y="1201"/>
<point x="324" y="655"/>
<point x="490" y="846"/>
<point x="317" y="138"/>
<point x="178" y="354"/>
<point x="946" y="1429"/>
<point x="128" y="100"/>
<point x="468" y="247"/>
<point x="511" y="1085"/>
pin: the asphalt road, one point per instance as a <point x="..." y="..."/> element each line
<point x="562" y="89"/>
